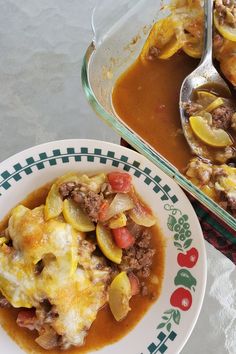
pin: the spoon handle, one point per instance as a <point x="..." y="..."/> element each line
<point x="208" y="30"/>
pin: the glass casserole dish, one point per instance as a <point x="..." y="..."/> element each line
<point x="120" y="30"/>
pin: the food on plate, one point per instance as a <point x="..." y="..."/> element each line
<point x="90" y="247"/>
<point x="119" y="296"/>
<point x="146" y="96"/>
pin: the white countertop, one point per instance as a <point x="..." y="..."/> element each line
<point x="41" y="99"/>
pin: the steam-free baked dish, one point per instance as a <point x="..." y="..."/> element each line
<point x="146" y="96"/>
<point x="77" y="247"/>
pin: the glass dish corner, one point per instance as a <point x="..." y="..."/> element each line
<point x="116" y="44"/>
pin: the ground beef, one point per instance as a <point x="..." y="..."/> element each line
<point x="224" y="190"/>
<point x="89" y="201"/>
<point x="144" y="289"/>
<point x="226" y="10"/>
<point x="233" y="122"/>
<point x="77" y="196"/>
<point x="106" y="189"/>
<point x="228" y="202"/>
<point x="219" y="172"/>
<point x="221" y="117"/>
<point x="191" y="108"/>
<point x="200" y="170"/>
<point x="153" y="53"/>
<point x="91" y="204"/>
<point x="231" y="202"/>
<point x="223" y="204"/>
<point x="218" y="41"/>
<point x="138" y="258"/>
<point x="224" y="155"/>
<point x="65" y="189"/>
<point x="46" y="313"/>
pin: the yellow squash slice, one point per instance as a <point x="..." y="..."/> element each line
<point x="117" y="221"/>
<point x="227" y="182"/>
<point x="119" y="296"/>
<point x="68" y="177"/>
<point x="205" y="97"/>
<point x="54" y="203"/>
<point x="107" y="244"/>
<point x="76" y="217"/>
<point x="3" y="240"/>
<point x="93" y="183"/>
<point x="163" y="37"/>
<point x="227" y="31"/>
<point x="141" y="215"/>
<point x="215" y="104"/>
<point x="192" y="50"/>
<point x="96" y="182"/>
<point x="193" y="47"/>
<point x="210" y="136"/>
<point x="170" y="48"/>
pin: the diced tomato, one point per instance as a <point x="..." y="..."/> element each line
<point x="120" y="182"/>
<point x="123" y="237"/>
<point x="135" y="285"/>
<point x="27" y="319"/>
<point x="103" y="210"/>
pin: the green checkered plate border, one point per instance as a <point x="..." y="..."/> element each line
<point x="168" y="324"/>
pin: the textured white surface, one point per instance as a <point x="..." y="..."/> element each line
<point x="41" y="49"/>
<point x="215" y="331"/>
<point x="41" y="99"/>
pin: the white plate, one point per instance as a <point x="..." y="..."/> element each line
<point x="169" y="322"/>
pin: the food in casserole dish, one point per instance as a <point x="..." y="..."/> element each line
<point x="183" y="30"/>
<point x="146" y="96"/>
<point x="90" y="244"/>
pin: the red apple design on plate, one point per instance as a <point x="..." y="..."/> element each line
<point x="182" y="299"/>
<point x="189" y="259"/>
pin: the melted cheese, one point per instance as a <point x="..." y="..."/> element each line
<point x="70" y="279"/>
<point x="77" y="310"/>
<point x="17" y="282"/>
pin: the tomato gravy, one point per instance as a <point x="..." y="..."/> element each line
<point x="146" y="98"/>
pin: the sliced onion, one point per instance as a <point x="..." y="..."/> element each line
<point x="49" y="339"/>
<point x="142" y="215"/>
<point x="122" y="202"/>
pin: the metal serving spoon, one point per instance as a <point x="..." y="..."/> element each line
<point x="204" y="74"/>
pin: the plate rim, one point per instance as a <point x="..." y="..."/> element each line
<point x="138" y="156"/>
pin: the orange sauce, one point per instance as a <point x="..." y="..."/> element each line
<point x="146" y="98"/>
<point x="105" y="330"/>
